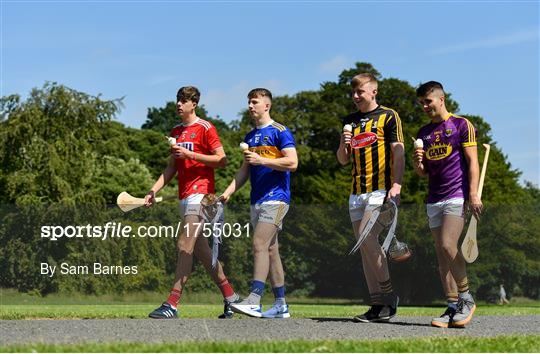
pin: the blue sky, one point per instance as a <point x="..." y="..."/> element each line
<point x="485" y="53"/>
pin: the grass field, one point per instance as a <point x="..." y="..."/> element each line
<point x="14" y="305"/>
<point x="18" y="312"/>
<point x="464" y="344"/>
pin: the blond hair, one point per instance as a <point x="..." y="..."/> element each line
<point x="362" y="79"/>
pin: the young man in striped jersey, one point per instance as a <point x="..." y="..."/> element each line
<point x="268" y="161"/>
<point x="375" y="147"/>
<point x="197" y="153"/>
<point x="450" y="160"/>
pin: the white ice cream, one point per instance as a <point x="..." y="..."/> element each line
<point x="244" y="146"/>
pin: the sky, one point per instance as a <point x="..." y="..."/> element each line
<point x="486" y="54"/>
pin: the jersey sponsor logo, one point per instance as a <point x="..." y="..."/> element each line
<point x="363" y="139"/>
<point x="438" y="151"/>
<point x="187" y="144"/>
<point x="270" y="152"/>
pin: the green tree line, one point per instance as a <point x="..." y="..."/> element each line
<point x="65" y="159"/>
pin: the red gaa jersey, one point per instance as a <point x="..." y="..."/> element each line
<point x="195" y="177"/>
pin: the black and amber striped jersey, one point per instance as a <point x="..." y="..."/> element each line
<point x="373" y="132"/>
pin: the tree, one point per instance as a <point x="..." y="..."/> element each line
<point x="60" y="146"/>
<point x="165" y="118"/>
<point x="47" y="143"/>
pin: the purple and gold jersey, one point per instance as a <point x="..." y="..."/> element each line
<point x="268" y="184"/>
<point x="444" y="160"/>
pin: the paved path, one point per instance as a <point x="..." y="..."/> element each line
<point x="244" y="329"/>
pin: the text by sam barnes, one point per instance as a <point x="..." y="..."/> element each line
<point x="95" y="269"/>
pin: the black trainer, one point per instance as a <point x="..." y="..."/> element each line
<point x="227" y="312"/>
<point x="372" y="315"/>
<point x="390" y="309"/>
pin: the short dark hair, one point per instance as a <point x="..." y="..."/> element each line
<point x="260" y="92"/>
<point x="428" y="87"/>
<point x="188" y="93"/>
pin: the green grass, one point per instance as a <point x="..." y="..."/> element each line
<point x="15" y="312"/>
<point x="464" y="344"/>
<point x="14" y="305"/>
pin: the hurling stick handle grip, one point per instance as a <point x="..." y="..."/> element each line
<point x="483" y="173"/>
<point x="167" y="197"/>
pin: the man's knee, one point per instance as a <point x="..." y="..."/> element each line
<point x="186" y="244"/>
<point x="259" y="247"/>
<point x="448" y="249"/>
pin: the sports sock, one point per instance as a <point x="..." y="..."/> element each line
<point x="463" y="286"/>
<point x="225" y="288"/>
<point x="174" y="297"/>
<point x="451" y="300"/>
<point x="386" y="287"/>
<point x="280" y="301"/>
<point x="376" y="299"/>
<point x="234" y="297"/>
<point x="257" y="287"/>
<point x="253" y="299"/>
<point x="279" y="292"/>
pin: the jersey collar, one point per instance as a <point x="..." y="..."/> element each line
<point x="265" y="125"/>
<point x="190" y="124"/>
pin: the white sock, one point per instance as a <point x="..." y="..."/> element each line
<point x="253" y="299"/>
<point x="280" y="301"/>
<point x="232" y="298"/>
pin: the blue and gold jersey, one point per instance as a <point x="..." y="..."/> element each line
<point x="268" y="184"/>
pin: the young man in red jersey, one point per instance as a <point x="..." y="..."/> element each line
<point x="198" y="151"/>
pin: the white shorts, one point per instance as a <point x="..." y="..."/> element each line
<point x="435" y="211"/>
<point x="191" y="205"/>
<point x="359" y="203"/>
<point x="272" y="212"/>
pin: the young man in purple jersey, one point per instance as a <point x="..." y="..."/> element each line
<point x="268" y="162"/>
<point x="450" y="161"/>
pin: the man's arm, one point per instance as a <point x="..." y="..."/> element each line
<point x="398" y="162"/>
<point x="289" y="161"/>
<point x="239" y="180"/>
<point x="471" y="155"/>
<point x="162" y="181"/>
<point x="418" y="158"/>
<point x="218" y="159"/>
<point x="344" y="151"/>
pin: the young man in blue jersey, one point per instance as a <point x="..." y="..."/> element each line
<point x="268" y="161"/>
